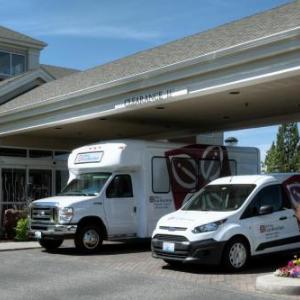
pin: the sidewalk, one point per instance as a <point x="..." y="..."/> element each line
<point x="278" y="285"/>
<point x="11" y="246"/>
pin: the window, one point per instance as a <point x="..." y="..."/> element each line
<point x="61" y="155"/>
<point x="13" y="185"/>
<point x="4" y="63"/>
<point x="11" y="64"/>
<point x="13" y="152"/>
<point x="17" y="64"/>
<point x="271" y="195"/>
<point x="40" y="184"/>
<point x="120" y="187"/>
<point x="220" y="197"/>
<point x="160" y="175"/>
<point x="40" y="154"/>
<point x="87" y="184"/>
<point x="61" y="180"/>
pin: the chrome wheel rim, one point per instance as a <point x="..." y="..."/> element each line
<point x="91" y="239"/>
<point x="238" y="255"/>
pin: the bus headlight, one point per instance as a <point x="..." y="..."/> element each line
<point x="208" y="227"/>
<point x="66" y="214"/>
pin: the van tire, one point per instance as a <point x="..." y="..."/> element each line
<point x="89" y="238"/>
<point x="236" y="254"/>
<point x="49" y="244"/>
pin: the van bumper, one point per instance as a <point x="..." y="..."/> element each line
<point x="56" y="231"/>
<point x="202" y="252"/>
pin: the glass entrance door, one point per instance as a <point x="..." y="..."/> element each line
<point x="39" y="184"/>
<point x="13" y="189"/>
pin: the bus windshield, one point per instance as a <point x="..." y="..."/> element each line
<point x="88" y="184"/>
<point x="220" y="197"/>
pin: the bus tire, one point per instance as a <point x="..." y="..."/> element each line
<point x="89" y="238"/>
<point x="49" y="244"/>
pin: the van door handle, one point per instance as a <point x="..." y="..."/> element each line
<point x="282" y="218"/>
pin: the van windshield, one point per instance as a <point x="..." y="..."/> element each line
<point x="220" y="197"/>
<point x="88" y="184"/>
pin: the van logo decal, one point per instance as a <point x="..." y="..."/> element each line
<point x="193" y="166"/>
<point x="262" y="228"/>
<point x="292" y="188"/>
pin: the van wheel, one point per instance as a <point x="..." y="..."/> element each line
<point x="236" y="254"/>
<point x="50" y="244"/>
<point x="89" y="239"/>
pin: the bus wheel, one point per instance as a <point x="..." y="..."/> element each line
<point x="89" y="239"/>
<point x="50" y="244"/>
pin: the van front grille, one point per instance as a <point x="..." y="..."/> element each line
<point x="43" y="214"/>
<point x="170" y="237"/>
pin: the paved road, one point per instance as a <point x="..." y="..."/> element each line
<point x="120" y="272"/>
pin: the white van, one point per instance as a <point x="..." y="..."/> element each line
<point x="120" y="189"/>
<point x="231" y="219"/>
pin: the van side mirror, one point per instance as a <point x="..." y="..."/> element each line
<point x="265" y="210"/>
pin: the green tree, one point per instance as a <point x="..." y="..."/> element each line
<point x="284" y="155"/>
<point x="271" y="159"/>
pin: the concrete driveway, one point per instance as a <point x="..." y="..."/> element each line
<point x="122" y="271"/>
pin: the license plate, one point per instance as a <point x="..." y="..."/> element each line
<point x="168" y="247"/>
<point x="38" y="235"/>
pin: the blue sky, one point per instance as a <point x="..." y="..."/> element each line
<point x="85" y="33"/>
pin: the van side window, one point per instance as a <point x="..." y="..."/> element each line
<point x="270" y="195"/>
<point x="120" y="187"/>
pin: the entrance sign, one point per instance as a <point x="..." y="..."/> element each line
<point x="151" y="97"/>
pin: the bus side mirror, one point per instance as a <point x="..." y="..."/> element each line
<point x="265" y="210"/>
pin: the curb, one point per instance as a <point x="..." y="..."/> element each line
<point x="278" y="285"/>
<point x="13" y="246"/>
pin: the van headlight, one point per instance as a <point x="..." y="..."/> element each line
<point x="208" y="227"/>
<point x="65" y="214"/>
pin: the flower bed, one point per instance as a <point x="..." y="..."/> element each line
<point x="292" y="269"/>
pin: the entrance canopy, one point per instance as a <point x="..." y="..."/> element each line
<point x="243" y="74"/>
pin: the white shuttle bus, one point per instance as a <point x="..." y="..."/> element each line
<point x="118" y="190"/>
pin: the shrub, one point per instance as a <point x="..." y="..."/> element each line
<point x="22" y="229"/>
<point x="11" y="217"/>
